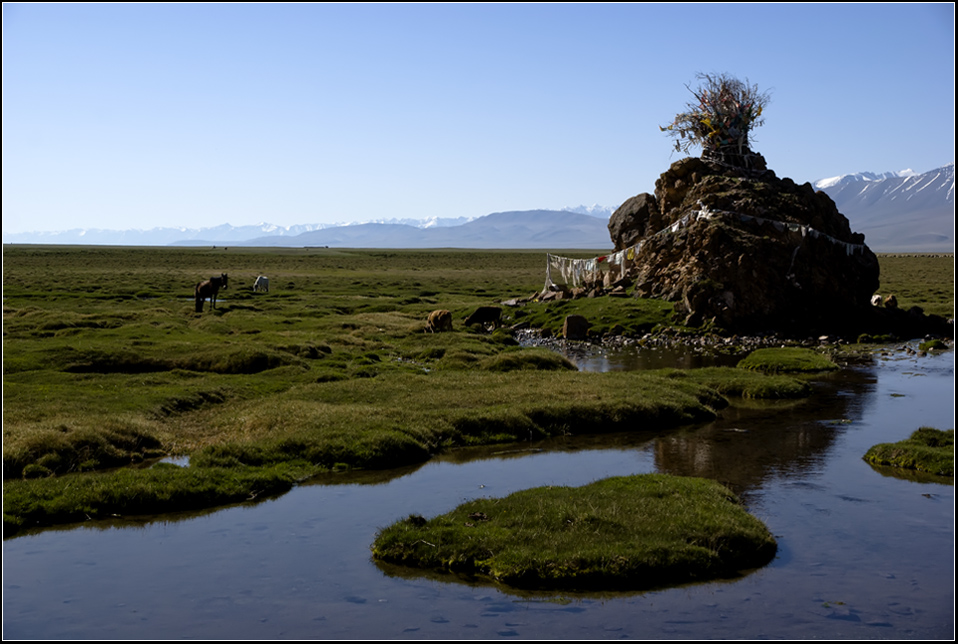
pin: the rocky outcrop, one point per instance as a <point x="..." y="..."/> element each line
<point x="745" y="250"/>
<point x="638" y="217"/>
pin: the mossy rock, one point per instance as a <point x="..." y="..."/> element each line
<point x="933" y="345"/>
<point x="621" y="533"/>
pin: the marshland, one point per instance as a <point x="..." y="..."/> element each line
<point x="128" y="417"/>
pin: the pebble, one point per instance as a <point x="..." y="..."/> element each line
<point x="666" y="340"/>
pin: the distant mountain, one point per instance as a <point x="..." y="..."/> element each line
<point x="222" y="234"/>
<point x="594" y="210"/>
<point x="859" y="177"/>
<point x="508" y="230"/>
<point x="898" y="211"/>
<point x="155" y="236"/>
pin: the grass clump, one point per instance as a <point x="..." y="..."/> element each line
<point x="926" y="450"/>
<point x="66" y="449"/>
<point x="621" y="533"/>
<point x="535" y="359"/>
<point x="79" y="497"/>
<point x="786" y="360"/>
<point x="743" y="383"/>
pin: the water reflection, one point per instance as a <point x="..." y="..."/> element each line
<point x="748" y="445"/>
<point x="599" y="358"/>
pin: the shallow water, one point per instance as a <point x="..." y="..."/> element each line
<point x="862" y="555"/>
<point x="597" y="358"/>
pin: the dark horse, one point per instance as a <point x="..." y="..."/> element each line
<point x="209" y="289"/>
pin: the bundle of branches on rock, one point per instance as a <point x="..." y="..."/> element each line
<point x="719" y="119"/>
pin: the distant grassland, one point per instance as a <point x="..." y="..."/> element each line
<point x="106" y="364"/>
<point x="927" y="281"/>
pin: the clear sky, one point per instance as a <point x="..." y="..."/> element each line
<point x="144" y="115"/>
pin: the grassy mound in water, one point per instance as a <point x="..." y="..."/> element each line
<point x="162" y="488"/>
<point x="729" y="381"/>
<point x="786" y="360"/>
<point x="622" y="533"/>
<point x="926" y="450"/>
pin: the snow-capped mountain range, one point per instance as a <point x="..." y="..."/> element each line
<point x="900" y="211"/>
<point x="578" y="227"/>
<point x="224" y="233"/>
<point x="860" y="177"/>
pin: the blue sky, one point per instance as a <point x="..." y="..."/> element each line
<point x="144" y="115"/>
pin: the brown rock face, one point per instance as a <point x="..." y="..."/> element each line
<point x="745" y="249"/>
<point x="638" y="217"/>
<point x="575" y="327"/>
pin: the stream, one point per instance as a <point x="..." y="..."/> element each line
<point x="862" y="554"/>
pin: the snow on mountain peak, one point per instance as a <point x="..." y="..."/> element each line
<point x="595" y="210"/>
<point x="830" y="182"/>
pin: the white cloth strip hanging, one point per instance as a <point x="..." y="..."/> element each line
<point x="575" y="273"/>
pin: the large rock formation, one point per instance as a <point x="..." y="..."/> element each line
<point x="746" y="250"/>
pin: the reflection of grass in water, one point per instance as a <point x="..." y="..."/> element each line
<point x="927" y="450"/>
<point x="631" y="532"/>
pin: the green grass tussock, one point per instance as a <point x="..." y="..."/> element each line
<point x="64" y="449"/>
<point x="744" y="383"/>
<point x="535" y="359"/>
<point x="927" y="450"/>
<point x="786" y="360"/>
<point x="80" y="497"/>
<point x="626" y="533"/>
<point x="235" y="360"/>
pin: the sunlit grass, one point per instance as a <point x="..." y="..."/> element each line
<point x="787" y="360"/>
<point x="926" y="281"/>
<point x="635" y="532"/>
<point x="926" y="450"/>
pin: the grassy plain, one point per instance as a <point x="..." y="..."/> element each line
<point x="927" y="281"/>
<point x="106" y="365"/>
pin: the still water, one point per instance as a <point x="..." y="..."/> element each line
<point x="862" y="554"/>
